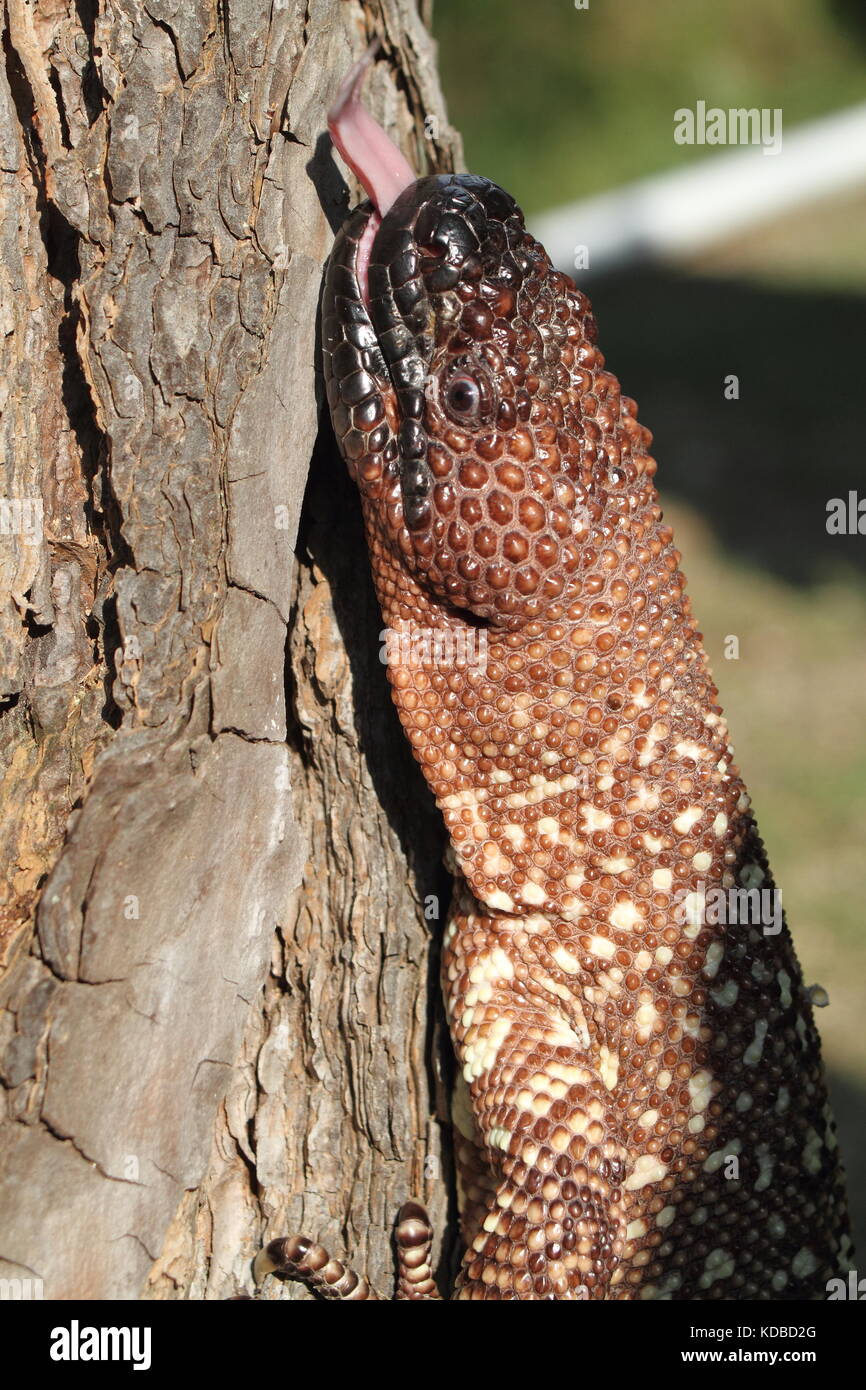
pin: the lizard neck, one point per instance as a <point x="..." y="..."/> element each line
<point x="581" y="761"/>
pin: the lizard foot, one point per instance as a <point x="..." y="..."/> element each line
<point x="299" y="1257"/>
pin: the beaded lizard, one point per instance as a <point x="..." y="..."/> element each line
<point x="641" y="1110"/>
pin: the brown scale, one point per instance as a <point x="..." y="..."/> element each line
<point x="648" y="1110"/>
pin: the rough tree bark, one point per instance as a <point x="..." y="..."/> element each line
<point x="215" y="1005"/>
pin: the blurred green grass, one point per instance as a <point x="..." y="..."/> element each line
<point x="556" y="103"/>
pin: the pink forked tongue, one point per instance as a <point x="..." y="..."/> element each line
<point x="366" y="148"/>
<point x="369" y="152"/>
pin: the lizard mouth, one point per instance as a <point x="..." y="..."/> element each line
<point x="393" y="291"/>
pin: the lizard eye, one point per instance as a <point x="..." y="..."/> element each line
<point x="462" y="398"/>
<point x="467" y="392"/>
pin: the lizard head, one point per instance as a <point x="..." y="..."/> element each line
<point x="495" y="457"/>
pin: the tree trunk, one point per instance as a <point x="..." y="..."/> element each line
<point x="216" y="1009"/>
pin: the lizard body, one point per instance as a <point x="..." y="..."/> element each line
<point x="641" y="1111"/>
